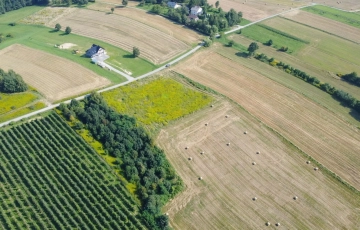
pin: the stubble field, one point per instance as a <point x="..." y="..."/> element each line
<point x="123" y="32"/>
<point x="223" y="199"/>
<point x="56" y="78"/>
<point x="165" y="25"/>
<point x="311" y="127"/>
<point x="325" y="24"/>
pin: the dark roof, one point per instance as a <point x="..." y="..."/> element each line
<point x="93" y="50"/>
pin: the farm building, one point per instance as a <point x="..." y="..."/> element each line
<point x="196" y="11"/>
<point x="95" y="50"/>
<point x="173" y="5"/>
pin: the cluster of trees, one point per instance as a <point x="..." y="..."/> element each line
<point x="352" y="78"/>
<point x="9" y="5"/>
<point x="58" y="28"/>
<point x="140" y="161"/>
<point x="211" y="21"/>
<point x="11" y="82"/>
<point x="340" y="95"/>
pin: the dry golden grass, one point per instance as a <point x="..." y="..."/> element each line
<point x="55" y="77"/>
<point x="223" y="199"/>
<point x="125" y="33"/>
<point x="314" y="129"/>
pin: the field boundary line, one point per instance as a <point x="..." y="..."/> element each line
<point x="309" y="157"/>
<point x="357" y="43"/>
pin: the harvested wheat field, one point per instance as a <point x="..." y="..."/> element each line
<point x="254" y="10"/>
<point x="167" y="26"/>
<point x="47" y="15"/>
<point x="325" y="24"/>
<point x="348" y="5"/>
<point x="125" y="33"/>
<point x="240" y="189"/>
<point x="55" y="77"/>
<point x="312" y="128"/>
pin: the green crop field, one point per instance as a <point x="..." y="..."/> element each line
<point x="263" y="33"/>
<point x="44" y="38"/>
<point x="156" y="102"/>
<point x="51" y="179"/>
<point x="352" y="19"/>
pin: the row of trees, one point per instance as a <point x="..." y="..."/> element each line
<point x="342" y="96"/>
<point x="9" y="5"/>
<point x="11" y="82"/>
<point x="141" y="162"/>
<point x="58" y="28"/>
<point x="352" y="78"/>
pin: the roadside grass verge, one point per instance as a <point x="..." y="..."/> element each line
<point x="22" y="111"/>
<point x="263" y="33"/>
<point x="350" y="18"/>
<point x="157" y="101"/>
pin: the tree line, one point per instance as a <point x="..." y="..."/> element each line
<point x="345" y="98"/>
<point x="11" y="82"/>
<point x="9" y="5"/>
<point x="139" y="159"/>
<point x="212" y="20"/>
<point x="352" y="78"/>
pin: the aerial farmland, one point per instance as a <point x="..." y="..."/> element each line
<point x="179" y="115"/>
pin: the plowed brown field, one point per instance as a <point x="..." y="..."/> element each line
<point x="125" y="33"/>
<point x="334" y="27"/>
<point x="55" y="77"/>
<point x="223" y="199"/>
<point x="312" y="128"/>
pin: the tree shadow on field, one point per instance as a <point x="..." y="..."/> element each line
<point x="355" y="114"/>
<point x="242" y="54"/>
<point x="53" y="31"/>
<point x="128" y="56"/>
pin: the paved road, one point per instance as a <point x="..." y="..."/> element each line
<point x="130" y="79"/>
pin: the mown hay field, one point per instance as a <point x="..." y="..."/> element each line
<point x="56" y="78"/>
<point x="254" y="10"/>
<point x="314" y="129"/>
<point x="157" y="101"/>
<point x="123" y="32"/>
<point x="223" y="199"/>
<point x="325" y="24"/>
<point x="165" y="25"/>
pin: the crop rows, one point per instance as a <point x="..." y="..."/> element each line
<point x="51" y="179"/>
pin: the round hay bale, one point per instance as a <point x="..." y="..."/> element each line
<point x="316" y="168"/>
<point x="211" y="106"/>
<point x="308" y="162"/>
<point x="206" y="124"/>
<point x="258" y="152"/>
<point x="190" y="158"/>
<point x="277" y="224"/>
<point x="202" y="152"/>
<point x="228" y="144"/>
<point x="245" y="132"/>
<point x="186" y="147"/>
<point x="167" y="213"/>
<point x="295" y="197"/>
<point x="267" y="224"/>
<point x="226" y="116"/>
<point x="200" y="178"/>
<point x="254" y="163"/>
<point x="254" y="199"/>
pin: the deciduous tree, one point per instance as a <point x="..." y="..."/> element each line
<point x="136" y="51"/>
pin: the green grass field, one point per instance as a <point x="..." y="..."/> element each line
<point x="352" y="19"/>
<point x="280" y="38"/>
<point x="156" y="102"/>
<point x="44" y="38"/>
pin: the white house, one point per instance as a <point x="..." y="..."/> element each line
<point x="196" y="11"/>
<point x="173" y="5"/>
<point x="95" y="50"/>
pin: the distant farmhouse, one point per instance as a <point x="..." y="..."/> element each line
<point x="94" y="51"/>
<point x="195" y="12"/>
<point x="173" y="5"/>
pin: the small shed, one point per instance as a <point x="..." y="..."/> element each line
<point x="173" y="5"/>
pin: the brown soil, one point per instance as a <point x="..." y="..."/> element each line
<point x="55" y="77"/>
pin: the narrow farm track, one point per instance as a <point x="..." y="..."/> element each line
<point x="125" y="33"/>
<point x="312" y="128"/>
<point x="230" y="181"/>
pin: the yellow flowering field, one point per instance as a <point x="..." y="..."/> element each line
<point x="22" y="111"/>
<point x="10" y="102"/>
<point x="156" y="102"/>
